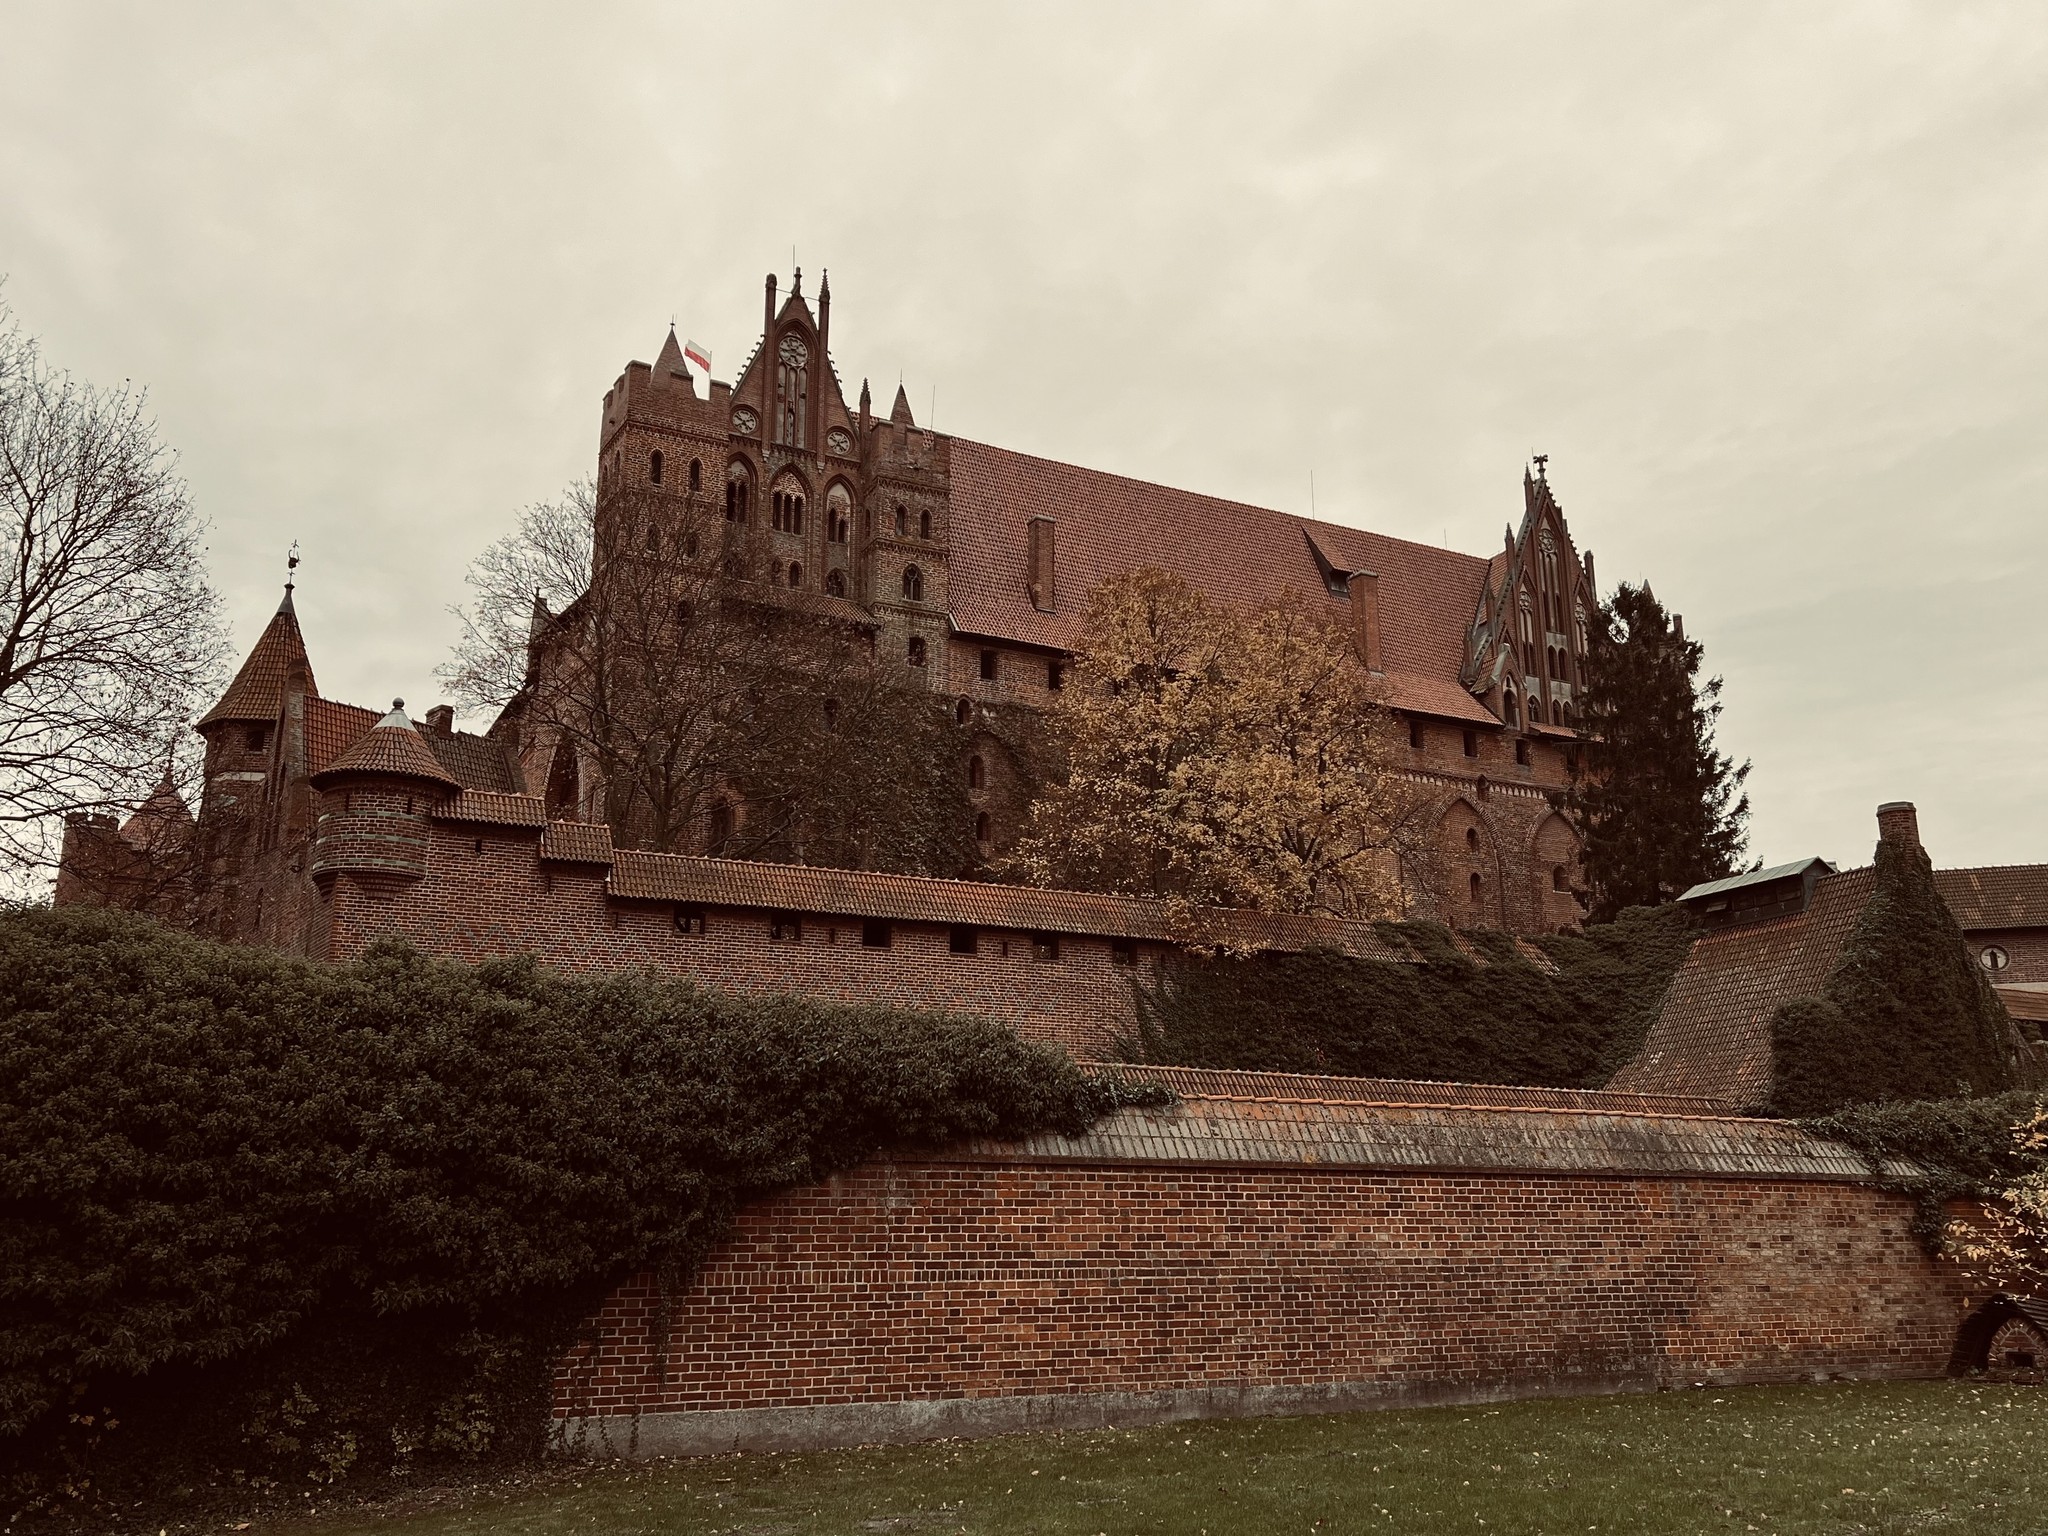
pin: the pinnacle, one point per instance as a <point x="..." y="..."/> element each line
<point x="900" y="411"/>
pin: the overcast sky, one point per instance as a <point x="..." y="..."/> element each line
<point x="1769" y="283"/>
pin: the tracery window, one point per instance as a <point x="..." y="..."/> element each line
<point x="786" y="510"/>
<point x="838" y="514"/>
<point x="736" y="494"/>
<point x="1528" y="618"/>
<point x="792" y="389"/>
<point x="913" y="584"/>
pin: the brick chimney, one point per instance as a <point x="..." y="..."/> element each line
<point x="441" y="719"/>
<point x="1365" y="618"/>
<point x="1898" y="822"/>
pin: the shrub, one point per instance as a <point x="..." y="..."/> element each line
<point x="1445" y="1017"/>
<point x="265" y="1218"/>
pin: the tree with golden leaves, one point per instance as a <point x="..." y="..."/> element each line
<point x="1218" y="757"/>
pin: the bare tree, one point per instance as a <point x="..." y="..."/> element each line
<point x="109" y="631"/>
<point x="688" y="699"/>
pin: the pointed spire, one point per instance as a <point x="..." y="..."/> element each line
<point x="671" y="357"/>
<point x="825" y="287"/>
<point x="394" y="748"/>
<point x="257" y="693"/>
<point x="900" y="411"/>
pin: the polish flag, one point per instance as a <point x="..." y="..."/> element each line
<point x="701" y="356"/>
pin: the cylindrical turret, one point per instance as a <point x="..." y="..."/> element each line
<point x="374" y="799"/>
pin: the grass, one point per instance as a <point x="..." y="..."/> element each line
<point x="1911" y="1457"/>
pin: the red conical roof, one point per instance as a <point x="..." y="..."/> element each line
<point x="393" y="748"/>
<point x="163" y="814"/>
<point x="257" y="693"/>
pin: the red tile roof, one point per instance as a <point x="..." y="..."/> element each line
<point x="577" y="842"/>
<point x="393" y="748"/>
<point x="2024" y="1001"/>
<point x="921" y="899"/>
<point x="1997" y="896"/>
<point x="1235" y="553"/>
<point x="1712" y="1036"/>
<point x="257" y="693"/>
<point x="495" y="810"/>
<point x="331" y="728"/>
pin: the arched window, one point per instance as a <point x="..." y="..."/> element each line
<point x="786" y="510"/>
<point x="838" y="514"/>
<point x="1558" y="879"/>
<point x="564" y="791"/>
<point x="962" y="712"/>
<point x="835" y="583"/>
<point x="1472" y="839"/>
<point x="902" y="522"/>
<point x="1510" y="707"/>
<point x="654" y="468"/>
<point x="796" y="574"/>
<point x="977" y="773"/>
<point x="916" y="651"/>
<point x="983" y="833"/>
<point x="913" y="584"/>
<point x="1476" y="887"/>
<point x="696" y="474"/>
<point x="924" y="525"/>
<point x="1528" y="617"/>
<point x="1579" y="625"/>
<point x="737" y="494"/>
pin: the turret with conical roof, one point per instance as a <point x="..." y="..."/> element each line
<point x="374" y="799"/>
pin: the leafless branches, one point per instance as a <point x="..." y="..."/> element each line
<point x="109" y="631"/>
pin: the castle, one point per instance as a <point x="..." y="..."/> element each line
<point x="966" y="570"/>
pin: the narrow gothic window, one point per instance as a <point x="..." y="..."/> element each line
<point x="913" y="584"/>
<point x="796" y="574"/>
<point x="924" y="525"/>
<point x="917" y="650"/>
<point x="977" y="773"/>
<point x="1558" y="882"/>
<point x="982" y="829"/>
<point x="902" y="522"/>
<point x="835" y="583"/>
<point x="1475" y="888"/>
<point x="1511" y="711"/>
<point x="1528" y="614"/>
<point x="962" y="712"/>
<point x="1472" y="839"/>
<point x="736" y="496"/>
<point x="654" y="468"/>
<point x="696" y="474"/>
<point x="838" y="514"/>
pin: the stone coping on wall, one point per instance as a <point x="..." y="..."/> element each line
<point x="1340" y="1123"/>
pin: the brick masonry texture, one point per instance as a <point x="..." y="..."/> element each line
<point x="1155" y="1270"/>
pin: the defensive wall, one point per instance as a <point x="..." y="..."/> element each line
<point x="1273" y="1245"/>
<point x="476" y="875"/>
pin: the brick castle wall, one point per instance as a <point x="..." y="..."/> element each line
<point x="939" y="1296"/>
<point x="487" y="892"/>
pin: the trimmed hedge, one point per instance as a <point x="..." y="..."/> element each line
<point x="263" y="1219"/>
<point x="1905" y="1015"/>
<point x="1447" y="1017"/>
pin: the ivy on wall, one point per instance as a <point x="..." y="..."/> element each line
<point x="264" y="1219"/>
<point x="1501" y="1016"/>
<point x="1905" y="1014"/>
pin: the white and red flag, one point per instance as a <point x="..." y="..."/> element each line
<point x="701" y="356"/>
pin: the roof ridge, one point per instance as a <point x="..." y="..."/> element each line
<point x="1222" y="501"/>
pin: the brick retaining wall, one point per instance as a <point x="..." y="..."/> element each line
<point x="1234" y="1256"/>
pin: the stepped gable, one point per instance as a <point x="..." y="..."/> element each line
<point x="257" y="693"/>
<point x="1234" y="553"/>
<point x="391" y="748"/>
<point x="1712" y="1036"/>
<point x="923" y="899"/>
<point x="1996" y="896"/>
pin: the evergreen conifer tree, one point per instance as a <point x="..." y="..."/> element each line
<point x="1658" y="807"/>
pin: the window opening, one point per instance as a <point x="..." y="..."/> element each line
<point x="962" y="712"/>
<point x="1558" y="882"/>
<point x="786" y="928"/>
<point x="902" y="522"/>
<point x="1475" y="885"/>
<point x="1415" y="734"/>
<point x="696" y="474"/>
<point x="913" y="584"/>
<point x="835" y="583"/>
<point x="1055" y="675"/>
<point x="796" y="574"/>
<point x="654" y="467"/>
<point x="1522" y="752"/>
<point x="1471" y="743"/>
<point x="917" y="650"/>
<point x="963" y="941"/>
<point x="1472" y="838"/>
<point x="875" y="934"/>
<point x="977" y="773"/>
<point x="983" y="832"/>
<point x="1045" y="946"/>
<point x="988" y="666"/>
<point x="1123" y="952"/>
<point x="924" y="525"/>
<point x="690" y="920"/>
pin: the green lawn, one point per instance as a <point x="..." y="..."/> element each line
<point x="1915" y="1457"/>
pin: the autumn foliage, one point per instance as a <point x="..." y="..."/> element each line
<point x="1218" y="757"/>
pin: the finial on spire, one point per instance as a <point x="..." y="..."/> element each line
<point x="398" y="703"/>
<point x="291" y="566"/>
<point x="1542" y="461"/>
<point x="796" y="283"/>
